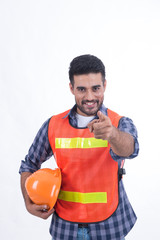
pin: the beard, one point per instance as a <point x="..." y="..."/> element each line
<point x="90" y="111"/>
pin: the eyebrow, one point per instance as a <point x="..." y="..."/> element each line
<point x="92" y="86"/>
<point x="96" y="86"/>
<point x="80" y="87"/>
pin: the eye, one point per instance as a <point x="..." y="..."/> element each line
<point x="95" y="88"/>
<point x="81" y="89"/>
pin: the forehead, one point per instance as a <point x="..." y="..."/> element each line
<point x="88" y="80"/>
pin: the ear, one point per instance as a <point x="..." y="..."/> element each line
<point x="71" y="88"/>
<point x="105" y="84"/>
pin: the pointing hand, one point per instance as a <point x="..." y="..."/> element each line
<point x="102" y="127"/>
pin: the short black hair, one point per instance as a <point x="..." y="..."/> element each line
<point x="86" y="64"/>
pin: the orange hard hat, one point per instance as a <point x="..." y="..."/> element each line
<point x="43" y="186"/>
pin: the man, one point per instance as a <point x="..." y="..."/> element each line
<point x="90" y="143"/>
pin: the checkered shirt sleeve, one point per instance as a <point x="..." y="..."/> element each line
<point x="39" y="151"/>
<point x="126" y="125"/>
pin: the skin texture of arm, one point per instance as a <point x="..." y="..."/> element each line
<point x="121" y="143"/>
<point x="36" y="210"/>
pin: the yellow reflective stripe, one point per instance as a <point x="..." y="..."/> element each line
<point x="78" y="197"/>
<point x="80" y="143"/>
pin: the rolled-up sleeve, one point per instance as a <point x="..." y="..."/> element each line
<point x="127" y="125"/>
<point x="39" y="151"/>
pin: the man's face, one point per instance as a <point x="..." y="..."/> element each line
<point x="88" y="90"/>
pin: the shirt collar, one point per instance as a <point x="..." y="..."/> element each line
<point x="72" y="114"/>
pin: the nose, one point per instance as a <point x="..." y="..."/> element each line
<point x="89" y="95"/>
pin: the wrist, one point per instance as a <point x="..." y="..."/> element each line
<point x="28" y="203"/>
<point x="113" y="135"/>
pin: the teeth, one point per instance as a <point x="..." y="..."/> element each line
<point x="89" y="103"/>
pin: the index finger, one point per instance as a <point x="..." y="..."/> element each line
<point x="101" y="116"/>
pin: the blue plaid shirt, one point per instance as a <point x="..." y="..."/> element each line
<point x="123" y="219"/>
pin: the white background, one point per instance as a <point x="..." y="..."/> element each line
<point x="38" y="39"/>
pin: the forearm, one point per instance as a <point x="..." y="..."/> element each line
<point x="41" y="211"/>
<point x="122" y="143"/>
<point x="24" y="176"/>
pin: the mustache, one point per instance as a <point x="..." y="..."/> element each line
<point x="87" y="101"/>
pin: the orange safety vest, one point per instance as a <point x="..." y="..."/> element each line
<point x="89" y="190"/>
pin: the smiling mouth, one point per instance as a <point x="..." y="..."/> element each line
<point x="90" y="103"/>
